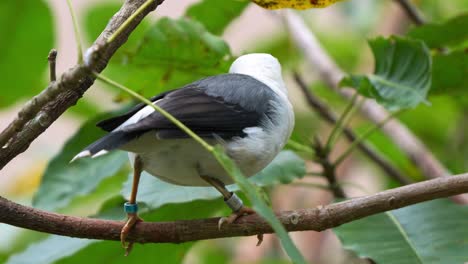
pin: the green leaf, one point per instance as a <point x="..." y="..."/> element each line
<point x="23" y="62"/>
<point x="451" y="32"/>
<point x="216" y="15"/>
<point x="107" y="190"/>
<point x="171" y="54"/>
<point x="402" y="75"/>
<point x="259" y="204"/>
<point x="102" y="252"/>
<point x="430" y="232"/>
<point x="74" y="250"/>
<point x="62" y="181"/>
<point x="155" y="193"/>
<point x="450" y="73"/>
<point x="50" y="250"/>
<point x="284" y="169"/>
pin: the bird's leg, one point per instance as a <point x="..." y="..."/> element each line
<point x="131" y="207"/>
<point x="231" y="199"/>
<point x="234" y="202"/>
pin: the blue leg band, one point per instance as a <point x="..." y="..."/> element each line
<point x="130" y="208"/>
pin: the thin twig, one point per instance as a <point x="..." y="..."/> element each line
<point x="340" y="123"/>
<point x="77" y="33"/>
<point x="52" y="58"/>
<point x="311" y="185"/>
<point x="299" y="147"/>
<point x="318" y="219"/>
<point x="127" y="22"/>
<point x="40" y="112"/>
<point x="412" y="12"/>
<point x="322" y="155"/>
<point x="326" y="113"/>
<point x="361" y="139"/>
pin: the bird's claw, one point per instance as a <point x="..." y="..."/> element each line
<point x="132" y="220"/>
<point x="234" y="216"/>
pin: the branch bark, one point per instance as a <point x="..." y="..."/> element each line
<point x="41" y="111"/>
<point x="318" y="219"/>
<point x="331" y="74"/>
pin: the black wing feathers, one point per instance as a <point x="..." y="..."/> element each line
<point x="223" y="105"/>
<point x="112" y="123"/>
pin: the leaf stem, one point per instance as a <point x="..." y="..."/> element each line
<point x="364" y="137"/>
<point x="314" y="174"/>
<point x="340" y="123"/>
<point x="129" y="20"/>
<point x="77" y="32"/>
<point x="159" y="109"/>
<point x="311" y="185"/>
<point x="299" y="147"/>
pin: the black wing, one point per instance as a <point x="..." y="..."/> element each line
<point x="221" y="105"/>
<point x="113" y="122"/>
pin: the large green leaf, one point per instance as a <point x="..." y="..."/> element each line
<point x="57" y="249"/>
<point x="216" y="15"/>
<point x="62" y="181"/>
<point x="171" y="54"/>
<point x="451" y="32"/>
<point x="285" y="168"/>
<point x="26" y="33"/>
<point x="431" y="232"/>
<point x="450" y="73"/>
<point x="402" y="75"/>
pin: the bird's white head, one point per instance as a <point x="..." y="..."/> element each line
<point x="263" y="67"/>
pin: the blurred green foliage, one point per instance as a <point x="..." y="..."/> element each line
<point x="216" y="15"/>
<point x="23" y="62"/>
<point x="169" y="53"/>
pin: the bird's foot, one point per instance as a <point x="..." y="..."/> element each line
<point x="237" y="214"/>
<point x="132" y="220"/>
<point x="234" y="216"/>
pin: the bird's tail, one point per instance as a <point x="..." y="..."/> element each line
<point x="105" y="144"/>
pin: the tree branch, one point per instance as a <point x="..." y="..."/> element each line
<point x="328" y="116"/>
<point x="412" y="12"/>
<point x="318" y="219"/>
<point x="322" y="154"/>
<point x="52" y="62"/>
<point x="331" y="74"/>
<point x="41" y="111"/>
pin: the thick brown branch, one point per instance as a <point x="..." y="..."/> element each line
<point x="40" y="112"/>
<point x="331" y="74"/>
<point x="317" y="219"/>
<point x="328" y="116"/>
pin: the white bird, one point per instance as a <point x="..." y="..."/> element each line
<point x="247" y="108"/>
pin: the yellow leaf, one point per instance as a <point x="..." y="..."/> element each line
<point x="296" y="4"/>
